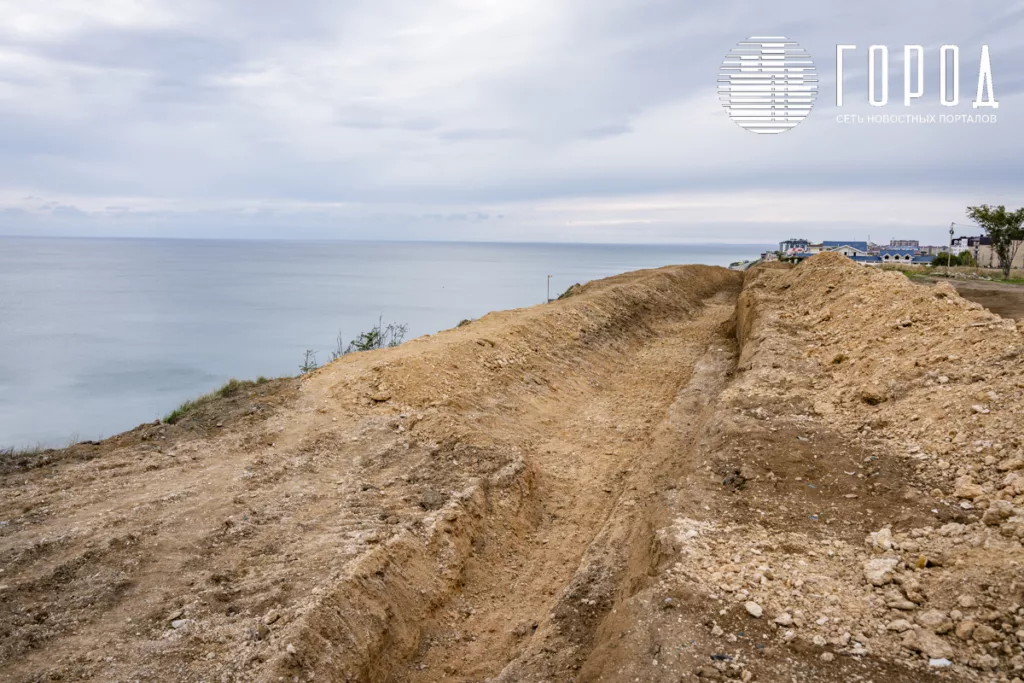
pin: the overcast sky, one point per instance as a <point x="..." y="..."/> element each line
<point x="533" y="120"/>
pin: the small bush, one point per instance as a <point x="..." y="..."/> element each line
<point x="379" y="337"/>
<point x="309" y="363"/>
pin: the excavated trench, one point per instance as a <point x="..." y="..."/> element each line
<point x="516" y="576"/>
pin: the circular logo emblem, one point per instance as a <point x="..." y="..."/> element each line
<point x="767" y="84"/>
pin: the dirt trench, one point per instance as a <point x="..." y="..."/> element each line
<point x="531" y="603"/>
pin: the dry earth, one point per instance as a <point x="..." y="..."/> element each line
<point x="1002" y="298"/>
<point x="805" y="474"/>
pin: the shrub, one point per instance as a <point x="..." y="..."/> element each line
<point x="309" y="363"/>
<point x="961" y="259"/>
<point x="379" y="337"/>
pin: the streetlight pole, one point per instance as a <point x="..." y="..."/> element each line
<point x="549" y="290"/>
<point x="949" y="256"/>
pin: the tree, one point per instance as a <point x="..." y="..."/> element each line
<point x="964" y="258"/>
<point x="1004" y="228"/>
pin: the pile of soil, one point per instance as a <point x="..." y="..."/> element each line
<point x="690" y="473"/>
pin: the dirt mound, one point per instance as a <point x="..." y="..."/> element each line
<point x="791" y="473"/>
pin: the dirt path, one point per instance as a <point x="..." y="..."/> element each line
<point x="586" y="467"/>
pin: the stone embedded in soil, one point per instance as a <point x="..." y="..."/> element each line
<point x="983" y="633"/>
<point x="966" y="601"/>
<point x="878" y="571"/>
<point x="784" y="619"/>
<point x="882" y="539"/>
<point x="934" y="620"/>
<point x="998" y="510"/>
<point x="927" y="643"/>
<point x="965" y="629"/>
<point x="966" y="488"/>
<point x="899" y="625"/>
<point x="431" y="500"/>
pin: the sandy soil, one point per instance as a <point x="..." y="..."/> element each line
<point x="689" y="473"/>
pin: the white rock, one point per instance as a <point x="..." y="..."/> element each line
<point x="940" y="663"/>
<point x="753" y="609"/>
<point x="882" y="539"/>
<point x="784" y="619"/>
<point x="878" y="571"/>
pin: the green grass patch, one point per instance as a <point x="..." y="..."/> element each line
<point x="915" y="276"/>
<point x="230" y="388"/>
<point x="11" y="453"/>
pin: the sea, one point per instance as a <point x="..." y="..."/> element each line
<point x="100" y="335"/>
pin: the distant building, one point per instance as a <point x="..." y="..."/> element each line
<point x="794" y="246"/>
<point x="856" y="250"/>
<point x="980" y="248"/>
<point x="850" y="249"/>
<point x="906" y="254"/>
<point x="905" y="243"/>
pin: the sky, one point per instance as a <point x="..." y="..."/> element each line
<point x="533" y="120"/>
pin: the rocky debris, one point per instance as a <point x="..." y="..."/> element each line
<point x="915" y="592"/>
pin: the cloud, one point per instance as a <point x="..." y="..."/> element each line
<point x="326" y="119"/>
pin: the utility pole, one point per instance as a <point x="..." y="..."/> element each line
<point x="949" y="256"/>
<point x="548" y="299"/>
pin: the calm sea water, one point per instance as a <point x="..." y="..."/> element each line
<point x="99" y="335"/>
